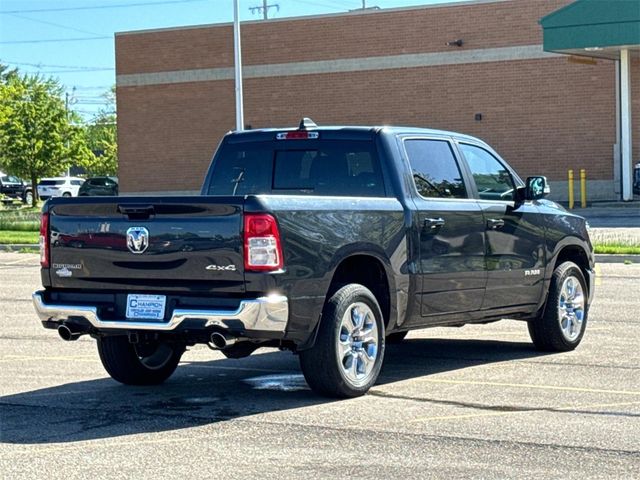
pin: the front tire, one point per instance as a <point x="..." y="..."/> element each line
<point x="140" y="363"/>
<point x="564" y="319"/>
<point x="346" y="358"/>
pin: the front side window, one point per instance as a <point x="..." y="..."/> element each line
<point x="493" y="180"/>
<point x="435" y="170"/>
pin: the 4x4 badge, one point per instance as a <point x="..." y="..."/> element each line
<point x="137" y="239"/>
<point x="221" y="268"/>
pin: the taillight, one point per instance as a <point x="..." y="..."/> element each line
<point x="262" y="247"/>
<point x="44" y="240"/>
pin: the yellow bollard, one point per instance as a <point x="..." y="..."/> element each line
<point x="570" y="189"/>
<point x="583" y="188"/>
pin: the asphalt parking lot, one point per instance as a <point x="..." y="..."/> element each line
<point x="472" y="402"/>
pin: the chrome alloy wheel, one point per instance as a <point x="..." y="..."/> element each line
<point x="571" y="308"/>
<point x="357" y="343"/>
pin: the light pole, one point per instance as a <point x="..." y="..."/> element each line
<point x="238" y="65"/>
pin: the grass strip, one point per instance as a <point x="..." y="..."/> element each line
<point x="8" y="237"/>
<point x="20" y="225"/>
<point x="30" y="235"/>
<point x="20" y="215"/>
<point x="617" y="249"/>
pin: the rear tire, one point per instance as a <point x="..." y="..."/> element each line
<point x="347" y="356"/>
<point x="564" y="319"/>
<point x="138" y="364"/>
<point x="66" y="194"/>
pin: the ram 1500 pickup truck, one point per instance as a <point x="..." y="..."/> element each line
<point x="326" y="241"/>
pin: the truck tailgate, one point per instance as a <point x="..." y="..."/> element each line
<point x="137" y="243"/>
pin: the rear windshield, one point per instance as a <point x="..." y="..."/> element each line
<point x="327" y="167"/>
<point x="47" y="183"/>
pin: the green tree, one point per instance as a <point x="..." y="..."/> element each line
<point x="37" y="138"/>
<point x="102" y="139"/>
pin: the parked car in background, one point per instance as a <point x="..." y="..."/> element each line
<point x="13" y="187"/>
<point x="59" y="187"/>
<point x="99" y="186"/>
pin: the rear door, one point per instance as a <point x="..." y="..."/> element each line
<point x="514" y="235"/>
<point x="450" y="229"/>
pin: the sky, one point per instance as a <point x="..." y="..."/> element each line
<point x="73" y="40"/>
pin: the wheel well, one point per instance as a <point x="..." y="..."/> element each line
<point x="576" y="255"/>
<point x="367" y="271"/>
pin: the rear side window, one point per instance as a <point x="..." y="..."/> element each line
<point x="435" y="170"/>
<point x="330" y="167"/>
<point x="77" y="182"/>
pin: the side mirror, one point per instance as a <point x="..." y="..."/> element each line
<point x="537" y="188"/>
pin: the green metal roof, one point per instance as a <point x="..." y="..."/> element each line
<point x="597" y="28"/>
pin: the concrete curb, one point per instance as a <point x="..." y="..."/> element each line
<point x="611" y="258"/>
<point x="17" y="247"/>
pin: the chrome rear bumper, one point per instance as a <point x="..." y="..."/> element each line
<point x="262" y="314"/>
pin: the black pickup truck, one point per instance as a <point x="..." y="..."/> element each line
<point x="14" y="188"/>
<point x="326" y="241"/>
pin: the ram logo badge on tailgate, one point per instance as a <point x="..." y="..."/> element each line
<point x="137" y="239"/>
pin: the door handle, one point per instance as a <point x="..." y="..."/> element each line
<point x="495" y="223"/>
<point x="433" y="223"/>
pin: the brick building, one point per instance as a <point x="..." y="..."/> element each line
<point x="544" y="112"/>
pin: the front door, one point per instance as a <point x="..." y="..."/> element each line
<point x="449" y="227"/>
<point x="514" y="235"/>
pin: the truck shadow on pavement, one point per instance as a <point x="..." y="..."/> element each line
<point x="202" y="393"/>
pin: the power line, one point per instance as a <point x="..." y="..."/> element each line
<point x="345" y="5"/>
<point x="316" y="4"/>
<point x="44" y="65"/>
<point x="57" y="72"/>
<point x="97" y="7"/>
<point x="52" y="40"/>
<point x="58" y="25"/>
<point x="99" y="87"/>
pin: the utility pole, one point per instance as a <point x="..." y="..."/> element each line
<point x="264" y="9"/>
<point x="238" y="66"/>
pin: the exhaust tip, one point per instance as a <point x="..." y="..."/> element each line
<point x="66" y="334"/>
<point x="220" y="341"/>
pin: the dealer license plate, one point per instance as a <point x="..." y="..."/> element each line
<point x="146" y="307"/>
